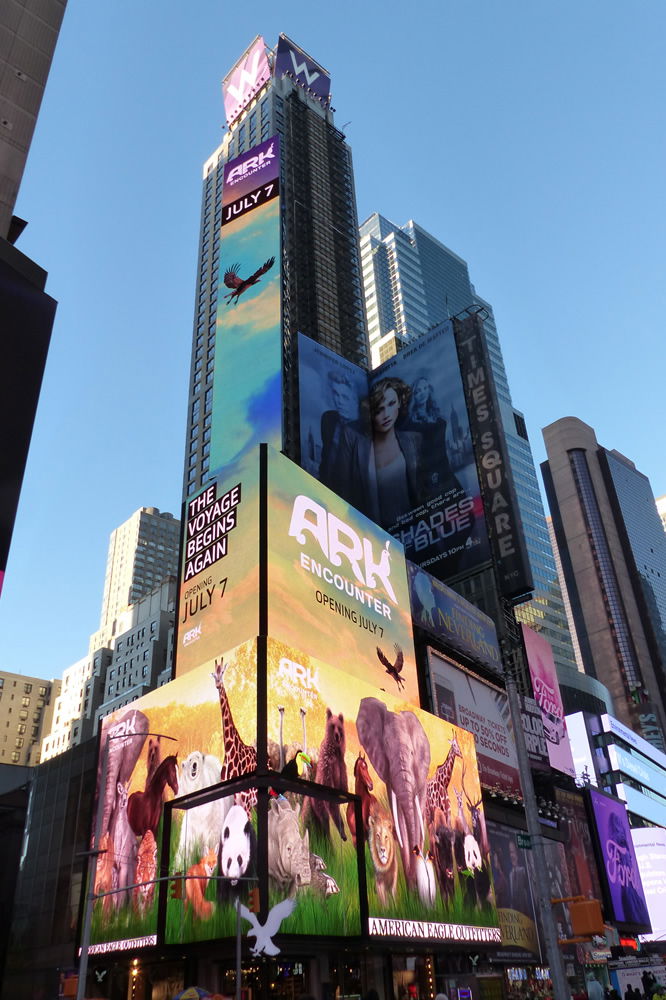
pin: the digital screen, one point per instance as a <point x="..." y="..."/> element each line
<point x="548" y="698"/>
<point x="620" y="867"/>
<point x="355" y="737"/>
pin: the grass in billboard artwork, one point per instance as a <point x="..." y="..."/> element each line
<point x="427" y="852"/>
<point x="143" y="770"/>
<point x="205" y="907"/>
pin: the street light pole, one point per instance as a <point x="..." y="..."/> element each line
<point x="94" y="854"/>
<point x="540" y="888"/>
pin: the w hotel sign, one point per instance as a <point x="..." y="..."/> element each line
<point x="246" y="78"/>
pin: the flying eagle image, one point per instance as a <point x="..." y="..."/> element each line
<point x="264" y="932"/>
<point x="393" y="668"/>
<point x="240" y="285"/>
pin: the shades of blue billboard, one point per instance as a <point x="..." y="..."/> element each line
<point x="396" y="444"/>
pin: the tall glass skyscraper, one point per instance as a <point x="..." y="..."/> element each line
<point x="412" y="282"/>
<point x="321" y="275"/>
<point x="613" y="551"/>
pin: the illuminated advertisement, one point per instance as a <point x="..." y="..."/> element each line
<point x="536" y="743"/>
<point x="292" y="61"/>
<point x="191" y="733"/>
<point x="218" y="605"/>
<point x="575" y="829"/>
<point x="396" y="445"/>
<point x="581" y="753"/>
<point x="513" y="894"/>
<point x="445" y="614"/>
<point x="623" y="885"/>
<point x="337" y="583"/>
<point x="650" y="848"/>
<point x="547" y="695"/>
<point x="653" y="809"/>
<point x="247" y="386"/>
<point x="246" y="78"/>
<point x="427" y="851"/>
<point x="609" y="724"/>
<point x="505" y="528"/>
<point x="482" y="709"/>
<point x="637" y="767"/>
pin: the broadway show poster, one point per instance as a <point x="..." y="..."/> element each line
<point x="575" y="828"/>
<point x="247" y="386"/>
<point x="396" y="445"/>
<point x="483" y="709"/>
<point x="420" y="426"/>
<point x="619" y="865"/>
<point x="165" y="745"/>
<point x="337" y="583"/>
<point x="218" y="605"/>
<point x="547" y="695"/>
<point x="512" y="891"/>
<point x="446" y="615"/>
<point x="427" y="851"/>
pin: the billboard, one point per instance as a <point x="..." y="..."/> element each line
<point x="577" y="838"/>
<point x="482" y="709"/>
<point x="505" y="530"/>
<point x="547" y="695"/>
<point x="337" y="583"/>
<point x="292" y="61"/>
<point x="184" y="736"/>
<point x="247" y="383"/>
<point x="446" y="615"/>
<point x="609" y="724"/>
<point x="218" y="603"/>
<point x="427" y="854"/>
<point x="246" y="78"/>
<point x="396" y="445"/>
<point x="535" y="738"/>
<point x="513" y="894"/>
<point x="619" y="868"/>
<point x="650" y="847"/>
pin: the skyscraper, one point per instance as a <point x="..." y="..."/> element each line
<point x="321" y="291"/>
<point x="29" y="31"/>
<point x="613" y="551"/>
<point x="143" y="551"/>
<point x="412" y="281"/>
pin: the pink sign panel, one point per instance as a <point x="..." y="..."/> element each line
<point x="247" y="77"/>
<point x="548" y="698"/>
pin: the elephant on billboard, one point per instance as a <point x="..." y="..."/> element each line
<point x="397" y="747"/>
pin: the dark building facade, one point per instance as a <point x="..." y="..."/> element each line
<point x="613" y="551"/>
<point x="321" y="275"/>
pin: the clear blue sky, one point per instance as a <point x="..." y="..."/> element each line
<point x="528" y="136"/>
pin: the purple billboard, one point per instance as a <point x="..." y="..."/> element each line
<point x="396" y="445"/>
<point x="292" y="61"/>
<point x="619" y="867"/>
<point x="247" y="77"/>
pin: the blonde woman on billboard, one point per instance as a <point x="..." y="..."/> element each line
<point x="397" y="454"/>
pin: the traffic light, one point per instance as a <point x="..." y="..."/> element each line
<point x="254" y="903"/>
<point x="177" y="886"/>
